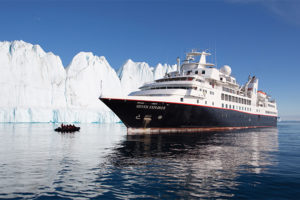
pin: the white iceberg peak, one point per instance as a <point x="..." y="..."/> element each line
<point x="35" y="87"/>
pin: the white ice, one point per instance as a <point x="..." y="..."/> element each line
<point x="35" y="86"/>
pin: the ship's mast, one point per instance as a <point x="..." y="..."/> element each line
<point x="178" y="64"/>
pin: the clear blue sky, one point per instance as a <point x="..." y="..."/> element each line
<point x="257" y="37"/>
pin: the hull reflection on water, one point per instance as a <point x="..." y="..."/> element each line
<point x="200" y="164"/>
<point x="102" y="162"/>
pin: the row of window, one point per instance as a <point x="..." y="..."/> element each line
<point x="196" y="72"/>
<point x="270" y="105"/>
<point x="185" y="88"/>
<point x="235" y="107"/>
<point x="212" y="103"/>
<point x="204" y="91"/>
<point x="270" y="112"/>
<point x="229" y="79"/>
<point x="227" y="97"/>
<point x="225" y="89"/>
<point x="178" y="79"/>
<point x="226" y="106"/>
<point x="159" y="88"/>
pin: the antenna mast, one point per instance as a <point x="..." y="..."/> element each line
<point x="216" y="54"/>
<point x="178" y="64"/>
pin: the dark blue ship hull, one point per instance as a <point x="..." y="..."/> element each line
<point x="151" y="114"/>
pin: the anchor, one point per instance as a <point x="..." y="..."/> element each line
<point x="147" y="120"/>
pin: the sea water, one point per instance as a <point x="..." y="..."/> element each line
<point x="103" y="162"/>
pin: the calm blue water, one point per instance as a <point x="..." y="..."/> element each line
<point x="102" y="162"/>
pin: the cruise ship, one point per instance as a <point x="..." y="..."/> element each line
<point x="196" y="97"/>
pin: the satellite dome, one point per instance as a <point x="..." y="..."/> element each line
<point x="226" y="70"/>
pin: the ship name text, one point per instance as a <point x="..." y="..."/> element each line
<point x="151" y="107"/>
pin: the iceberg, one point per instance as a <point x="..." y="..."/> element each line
<point x="161" y="70"/>
<point x="134" y="74"/>
<point x="36" y="87"/>
<point x="88" y="77"/>
<point x="32" y="82"/>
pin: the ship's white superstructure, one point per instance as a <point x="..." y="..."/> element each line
<point x="201" y="83"/>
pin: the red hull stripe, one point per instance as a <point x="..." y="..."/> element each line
<point x="189" y="104"/>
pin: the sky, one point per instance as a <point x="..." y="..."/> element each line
<point x="257" y="37"/>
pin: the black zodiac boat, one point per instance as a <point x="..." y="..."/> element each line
<point x="67" y="128"/>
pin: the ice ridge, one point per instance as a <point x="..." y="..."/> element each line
<point x="36" y="87"/>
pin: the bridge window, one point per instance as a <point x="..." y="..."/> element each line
<point x="270" y="105"/>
